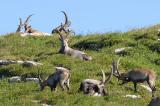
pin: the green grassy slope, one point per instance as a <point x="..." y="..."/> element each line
<point x="144" y="53"/>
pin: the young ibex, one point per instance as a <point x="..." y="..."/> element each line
<point x="136" y="75"/>
<point x="92" y="86"/>
<point x="64" y="27"/>
<point x="61" y="76"/>
<point x="65" y="49"/>
<point x="155" y="101"/>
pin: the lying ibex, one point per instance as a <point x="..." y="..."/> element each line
<point x="136" y="75"/>
<point x="92" y="86"/>
<point x="27" y="27"/>
<point x="61" y="76"/>
<point x="29" y="30"/>
<point x="65" y="49"/>
<point x="64" y="27"/>
<point x="155" y="101"/>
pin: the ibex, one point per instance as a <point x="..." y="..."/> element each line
<point x="30" y="30"/>
<point x="65" y="49"/>
<point x="64" y="27"/>
<point x="136" y="75"/>
<point x="92" y="86"/>
<point x="155" y="101"/>
<point x="61" y="76"/>
<point x="27" y="27"/>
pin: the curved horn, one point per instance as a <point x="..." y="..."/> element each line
<point x="20" y="21"/>
<point x="20" y="25"/>
<point x="39" y="77"/>
<point x="104" y="77"/>
<point x="117" y="64"/>
<point x="67" y="22"/>
<point x="66" y="17"/>
<point x="115" y="68"/>
<point x="110" y="76"/>
<point x="26" y="22"/>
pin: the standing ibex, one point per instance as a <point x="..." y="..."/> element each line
<point x="65" y="49"/>
<point x="136" y="75"/>
<point x="92" y="86"/>
<point x="61" y="76"/>
<point x="64" y="27"/>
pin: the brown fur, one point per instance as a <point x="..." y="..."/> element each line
<point x="136" y="75"/>
<point x="61" y="76"/>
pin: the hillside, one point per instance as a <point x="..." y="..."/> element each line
<point x="144" y="52"/>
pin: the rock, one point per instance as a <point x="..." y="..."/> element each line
<point x="14" y="79"/>
<point x="36" y="80"/>
<point x="24" y="63"/>
<point x="31" y="63"/>
<point x="121" y="50"/>
<point x="6" y="62"/>
<point x="133" y="96"/>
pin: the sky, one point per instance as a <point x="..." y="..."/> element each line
<point x="87" y="16"/>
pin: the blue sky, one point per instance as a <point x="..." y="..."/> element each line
<point x="87" y="16"/>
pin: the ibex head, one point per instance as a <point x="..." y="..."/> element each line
<point x="121" y="76"/>
<point x="63" y="37"/>
<point x="63" y="27"/>
<point x="104" y="81"/>
<point x="26" y="23"/>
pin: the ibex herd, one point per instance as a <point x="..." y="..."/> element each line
<point x="91" y="87"/>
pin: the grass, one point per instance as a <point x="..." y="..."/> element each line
<point x="144" y="53"/>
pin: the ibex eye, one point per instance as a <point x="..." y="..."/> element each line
<point x="126" y="78"/>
